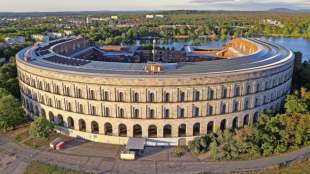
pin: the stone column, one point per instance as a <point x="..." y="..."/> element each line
<point x="189" y="130"/>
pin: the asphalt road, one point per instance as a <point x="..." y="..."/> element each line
<point x="15" y="157"/>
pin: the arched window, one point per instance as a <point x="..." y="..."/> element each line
<point x="167" y="113"/>
<point x="196" y="96"/>
<point x="223" y="124"/>
<point x="137" y="131"/>
<point x="106" y="96"/>
<point x="60" y="120"/>
<point x="151" y="113"/>
<point x="209" y="110"/>
<point x="69" y="107"/>
<point x="92" y="94"/>
<point x="136" y="97"/>
<point x="70" y="123"/>
<point x="94" y="127"/>
<point x="195" y="111"/>
<point x="180" y="113"/>
<point x="120" y="97"/>
<point x="167" y="97"/>
<point x="182" y="130"/>
<point x="152" y="131"/>
<point x="82" y="125"/>
<point x="167" y="131"/>
<point x="43" y="113"/>
<point x="235" y="123"/>
<point x="122" y="130"/>
<point x="107" y="112"/>
<point x="236" y="106"/>
<point x="210" y="127"/>
<point x="136" y="113"/>
<point x="93" y="110"/>
<point x="108" y="130"/>
<point x="223" y="108"/>
<point x="81" y="110"/>
<point x="246" y="120"/>
<point x="196" y="129"/>
<point x="210" y="94"/>
<point x="78" y="93"/>
<point x="224" y="92"/>
<point x="248" y="89"/>
<point x="182" y="97"/>
<point x="237" y="91"/>
<point x="121" y="113"/>
<point x="51" y="117"/>
<point x="151" y="97"/>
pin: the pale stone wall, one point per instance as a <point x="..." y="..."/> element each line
<point x="274" y="84"/>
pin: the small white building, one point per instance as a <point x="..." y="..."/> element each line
<point x="114" y="17"/>
<point x="40" y="38"/>
<point x="68" y="32"/>
<point x="159" y="16"/>
<point x="149" y="16"/>
<point x="54" y="35"/>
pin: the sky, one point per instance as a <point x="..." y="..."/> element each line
<point x="132" y="5"/>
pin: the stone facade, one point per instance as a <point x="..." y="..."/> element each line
<point x="165" y="109"/>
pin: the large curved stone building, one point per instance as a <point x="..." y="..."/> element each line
<point x="112" y="93"/>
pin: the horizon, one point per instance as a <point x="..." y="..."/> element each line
<point x="15" y="6"/>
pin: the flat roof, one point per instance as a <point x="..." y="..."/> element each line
<point x="135" y="144"/>
<point x="267" y="56"/>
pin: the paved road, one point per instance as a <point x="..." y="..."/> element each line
<point x="23" y="155"/>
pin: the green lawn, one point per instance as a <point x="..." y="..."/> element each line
<point x="22" y="136"/>
<point x="39" y="168"/>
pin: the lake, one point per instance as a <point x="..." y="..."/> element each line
<point x="295" y="44"/>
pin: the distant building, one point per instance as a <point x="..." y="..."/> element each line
<point x="40" y="38"/>
<point x="149" y="16"/>
<point x="159" y="16"/>
<point x="273" y="22"/>
<point x="55" y="35"/>
<point x="15" y="40"/>
<point x="68" y="32"/>
<point x="114" y="17"/>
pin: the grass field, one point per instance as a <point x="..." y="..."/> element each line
<point x="21" y="135"/>
<point x="39" y="168"/>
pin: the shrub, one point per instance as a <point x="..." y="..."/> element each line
<point x="41" y="128"/>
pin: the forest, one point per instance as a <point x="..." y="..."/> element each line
<point x="175" y="25"/>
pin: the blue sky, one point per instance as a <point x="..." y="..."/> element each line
<point x="77" y="5"/>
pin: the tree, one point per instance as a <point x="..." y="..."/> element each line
<point x="11" y="112"/>
<point x="295" y="105"/>
<point x="41" y="128"/>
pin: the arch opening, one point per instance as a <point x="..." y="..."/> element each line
<point x="137" y="131"/>
<point x="167" y="131"/>
<point x="152" y="131"/>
